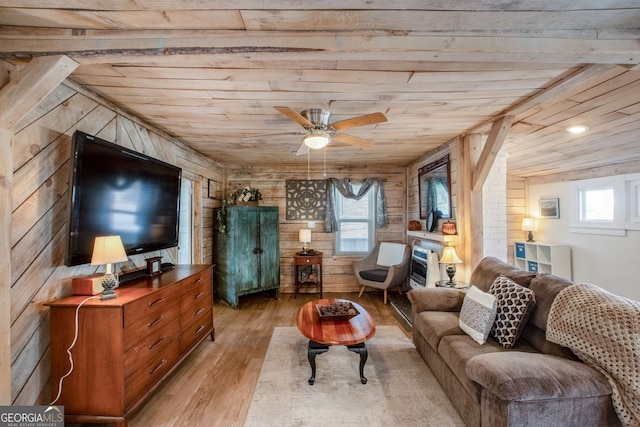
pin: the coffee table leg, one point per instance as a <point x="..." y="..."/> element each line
<point x="313" y="350"/>
<point x="362" y="350"/>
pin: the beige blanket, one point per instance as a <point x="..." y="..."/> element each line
<point x="603" y="330"/>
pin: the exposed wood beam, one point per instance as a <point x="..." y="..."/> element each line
<point x="472" y="200"/>
<point x="33" y="83"/>
<point x="7" y="71"/>
<point x="498" y="134"/>
<point x="6" y="185"/>
<point x="376" y="44"/>
<point x="582" y="78"/>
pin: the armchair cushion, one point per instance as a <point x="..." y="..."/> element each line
<point x="390" y="254"/>
<point x="376" y="275"/>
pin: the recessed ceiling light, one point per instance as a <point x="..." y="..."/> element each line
<point x="576" y="129"/>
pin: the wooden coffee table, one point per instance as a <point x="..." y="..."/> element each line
<point x="322" y="333"/>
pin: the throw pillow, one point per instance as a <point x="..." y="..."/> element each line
<point x="477" y="314"/>
<point x="515" y="303"/>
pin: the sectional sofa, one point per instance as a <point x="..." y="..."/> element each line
<point x="534" y="383"/>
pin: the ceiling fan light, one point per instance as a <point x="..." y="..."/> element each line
<point x="316" y="139"/>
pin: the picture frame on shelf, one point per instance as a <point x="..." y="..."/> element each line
<point x="549" y="208"/>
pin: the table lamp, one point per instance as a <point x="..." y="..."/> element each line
<point x="530" y="225"/>
<point x="450" y="258"/>
<point x="108" y="250"/>
<point x="304" y="237"/>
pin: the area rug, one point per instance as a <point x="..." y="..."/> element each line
<point x="400" y="391"/>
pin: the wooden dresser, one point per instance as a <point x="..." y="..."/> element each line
<point x="128" y="345"/>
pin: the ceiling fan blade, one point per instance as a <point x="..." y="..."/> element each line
<point x="295" y="117"/>
<point x="302" y="150"/>
<point x="352" y="140"/>
<point x="272" y="134"/>
<point x="367" y="119"/>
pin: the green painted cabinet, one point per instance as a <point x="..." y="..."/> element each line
<point x="247" y="256"/>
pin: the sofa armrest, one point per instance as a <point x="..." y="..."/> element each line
<point x="436" y="299"/>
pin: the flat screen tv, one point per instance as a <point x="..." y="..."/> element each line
<point x="117" y="191"/>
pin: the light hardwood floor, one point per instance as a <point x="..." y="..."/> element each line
<point x="215" y="384"/>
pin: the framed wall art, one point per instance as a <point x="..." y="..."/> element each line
<point x="306" y="199"/>
<point x="549" y="208"/>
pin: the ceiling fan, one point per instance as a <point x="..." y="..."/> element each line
<point x="320" y="132"/>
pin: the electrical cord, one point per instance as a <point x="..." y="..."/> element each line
<point x="73" y="343"/>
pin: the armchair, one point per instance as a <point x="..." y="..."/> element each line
<point x="386" y="265"/>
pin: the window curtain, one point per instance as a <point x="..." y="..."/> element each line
<point x="346" y="189"/>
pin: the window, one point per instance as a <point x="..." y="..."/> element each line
<point x="356" y="222"/>
<point x="599" y="206"/>
<point x="634" y="202"/>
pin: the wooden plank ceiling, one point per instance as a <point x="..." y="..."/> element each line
<point x="210" y="72"/>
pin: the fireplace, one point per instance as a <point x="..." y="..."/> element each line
<point x="424" y="270"/>
<point x="419" y="269"/>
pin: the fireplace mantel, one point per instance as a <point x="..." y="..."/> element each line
<point x="435" y="236"/>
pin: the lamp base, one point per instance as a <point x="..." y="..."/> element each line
<point x="109" y="282"/>
<point x="530" y="237"/>
<point x="451" y="272"/>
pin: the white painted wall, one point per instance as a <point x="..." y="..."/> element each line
<point x="613" y="263"/>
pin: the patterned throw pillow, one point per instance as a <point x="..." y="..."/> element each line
<point x="477" y="314"/>
<point x="515" y="303"/>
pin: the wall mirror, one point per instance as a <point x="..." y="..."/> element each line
<point x="434" y="188"/>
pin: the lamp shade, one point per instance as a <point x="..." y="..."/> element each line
<point x="316" y="139"/>
<point x="449" y="256"/>
<point x="304" y="235"/>
<point x="529" y="224"/>
<point x="107" y="250"/>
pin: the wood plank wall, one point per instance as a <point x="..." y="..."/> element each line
<point x="516" y="210"/>
<point x="337" y="270"/>
<point x="41" y="151"/>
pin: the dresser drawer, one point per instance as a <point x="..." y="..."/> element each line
<point x="154" y="344"/>
<point x="192" y="332"/>
<point x="199" y="296"/>
<point x="201" y="281"/>
<point x="143" y="308"/>
<point x="151" y="372"/>
<point x="137" y="328"/>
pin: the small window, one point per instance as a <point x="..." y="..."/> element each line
<point x="598" y="206"/>
<point x="356" y="223"/>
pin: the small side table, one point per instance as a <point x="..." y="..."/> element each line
<point x="457" y="284"/>
<point x="307" y="271"/>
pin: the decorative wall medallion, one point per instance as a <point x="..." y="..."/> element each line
<point x="306" y="200"/>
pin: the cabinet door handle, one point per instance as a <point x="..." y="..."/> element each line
<point x="159" y="300"/>
<point x="258" y="250"/>
<point x="162" y="362"/>
<point x="156" y="343"/>
<point x="197" y="313"/>
<point x="198" y="280"/>
<point x="155" y="322"/>
<point x="200" y="294"/>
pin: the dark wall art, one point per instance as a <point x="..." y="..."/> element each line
<point x="306" y="199"/>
